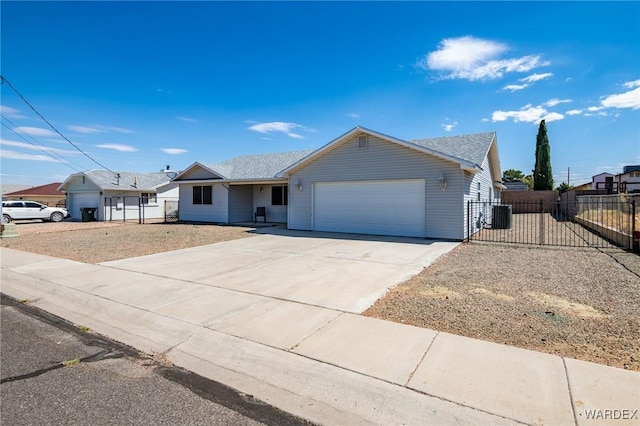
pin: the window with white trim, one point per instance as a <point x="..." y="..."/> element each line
<point x="202" y="194"/>
<point x="148" y="198"/>
<point x="279" y="195"/>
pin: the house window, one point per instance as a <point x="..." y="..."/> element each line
<point x="279" y="195"/>
<point x="148" y="198"/>
<point x="202" y="194"/>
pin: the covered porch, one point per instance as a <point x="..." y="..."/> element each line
<point x="246" y="199"/>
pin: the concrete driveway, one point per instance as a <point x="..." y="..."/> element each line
<point x="342" y="272"/>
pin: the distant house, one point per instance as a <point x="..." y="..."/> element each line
<point x="516" y="186"/>
<point x="361" y="182"/>
<point x="629" y="179"/>
<point x="48" y="194"/>
<point x="120" y="195"/>
<point x="602" y="181"/>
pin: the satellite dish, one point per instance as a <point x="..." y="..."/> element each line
<point x="171" y="175"/>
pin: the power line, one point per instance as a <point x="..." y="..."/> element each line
<point x="4" y="80"/>
<point x="60" y="158"/>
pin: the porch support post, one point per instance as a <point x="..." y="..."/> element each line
<point x="541" y="223"/>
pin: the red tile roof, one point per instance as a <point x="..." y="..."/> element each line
<point x="49" y="189"/>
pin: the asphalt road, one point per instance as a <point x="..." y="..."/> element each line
<point x="54" y="373"/>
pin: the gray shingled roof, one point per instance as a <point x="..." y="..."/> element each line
<point x="146" y="181"/>
<point x="472" y="148"/>
<point x="260" y="166"/>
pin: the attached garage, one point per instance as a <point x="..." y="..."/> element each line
<point x="385" y="207"/>
<point x="79" y="200"/>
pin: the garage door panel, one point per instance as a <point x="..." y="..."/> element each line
<point x="394" y="207"/>
<point x="80" y="200"/>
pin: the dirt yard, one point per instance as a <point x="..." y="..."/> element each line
<point x="578" y="303"/>
<point x="95" y="242"/>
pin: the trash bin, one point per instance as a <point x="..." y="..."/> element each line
<point x="88" y="214"/>
<point x="501" y="217"/>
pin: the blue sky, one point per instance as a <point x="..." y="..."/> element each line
<point x="141" y="85"/>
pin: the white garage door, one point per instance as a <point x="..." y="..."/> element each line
<point x="390" y="207"/>
<point x="79" y="200"/>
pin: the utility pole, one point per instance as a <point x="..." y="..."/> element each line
<point x="568" y="174"/>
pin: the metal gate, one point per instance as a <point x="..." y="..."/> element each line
<point x="171" y="211"/>
<point x="589" y="221"/>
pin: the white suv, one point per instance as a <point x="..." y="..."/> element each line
<point x="18" y="210"/>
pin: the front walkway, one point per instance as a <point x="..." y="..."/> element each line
<point x="290" y="346"/>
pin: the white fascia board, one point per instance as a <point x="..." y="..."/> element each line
<point x="471" y="169"/>
<point x="202" y="166"/>
<point x="264" y="181"/>
<point x="234" y="181"/>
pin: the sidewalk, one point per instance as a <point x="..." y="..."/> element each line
<point x="324" y="365"/>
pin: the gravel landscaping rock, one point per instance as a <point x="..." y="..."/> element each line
<point x="574" y="302"/>
<point x="95" y="242"/>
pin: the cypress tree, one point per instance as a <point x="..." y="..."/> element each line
<point x="542" y="175"/>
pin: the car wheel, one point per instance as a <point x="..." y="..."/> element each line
<point x="7" y="218"/>
<point x="56" y="217"/>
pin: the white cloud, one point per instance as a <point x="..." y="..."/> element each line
<point x="514" y="87"/>
<point x="188" y="119"/>
<point x="13" y="155"/>
<point x="555" y="101"/>
<point x="173" y="151"/>
<point x="118" y="147"/>
<point x="553" y="116"/>
<point x="631" y="84"/>
<point x="280" y="127"/>
<point x="630" y="99"/>
<point x="473" y="59"/>
<point x="85" y="129"/>
<point x="10" y="112"/>
<point x="24" y="145"/>
<point x="527" y="81"/>
<point x="34" y="131"/>
<point x="528" y="113"/>
<point x="449" y="127"/>
<point x="574" y="112"/>
<point x="353" y="115"/>
<point x="97" y="128"/>
<point x="595" y="109"/>
<point x="117" y="129"/>
<point x="536" y="77"/>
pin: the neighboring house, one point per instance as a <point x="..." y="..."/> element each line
<point x="583" y="187"/>
<point x="516" y="186"/>
<point x="48" y="194"/>
<point x="602" y="181"/>
<point x="119" y="196"/>
<point x="362" y="182"/>
<point x="629" y="179"/>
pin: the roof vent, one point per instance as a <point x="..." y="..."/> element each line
<point x="363" y="142"/>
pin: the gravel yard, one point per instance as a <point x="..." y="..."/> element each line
<point x="95" y="242"/>
<point x="574" y="302"/>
